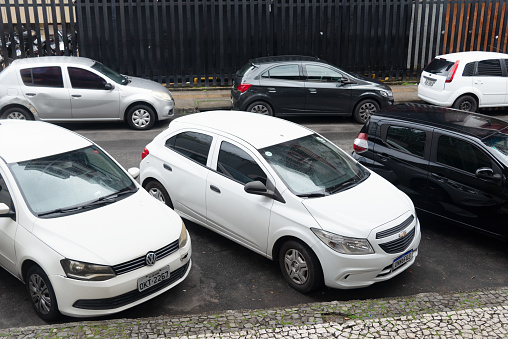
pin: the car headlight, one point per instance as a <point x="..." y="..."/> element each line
<point x="85" y="271"/>
<point x="342" y="244"/>
<point x="162" y="95"/>
<point x="182" y="241"/>
<point x="385" y="93"/>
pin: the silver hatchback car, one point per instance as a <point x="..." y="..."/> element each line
<point x="76" y="89"/>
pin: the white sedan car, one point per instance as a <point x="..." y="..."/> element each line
<point x="284" y="192"/>
<point x="77" y="229"/>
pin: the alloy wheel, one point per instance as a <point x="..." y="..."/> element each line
<point x="40" y="294"/>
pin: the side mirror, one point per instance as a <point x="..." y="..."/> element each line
<point x="487" y="174"/>
<point x="258" y="188"/>
<point x="108" y="86"/>
<point x="346" y="81"/>
<point x="5" y="211"/>
<point x="134" y="172"/>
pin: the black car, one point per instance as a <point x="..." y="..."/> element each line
<point x="297" y="85"/>
<point x="451" y="163"/>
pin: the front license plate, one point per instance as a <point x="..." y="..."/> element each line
<point x="153" y="278"/>
<point x="402" y="260"/>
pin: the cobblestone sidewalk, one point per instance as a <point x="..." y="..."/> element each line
<point x="475" y="314"/>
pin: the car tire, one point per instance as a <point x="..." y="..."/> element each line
<point x="41" y="294"/>
<point x="364" y="109"/>
<point x="158" y="191"/>
<point x="300" y="267"/>
<point x="260" y="107"/>
<point x="17" y="113"/>
<point x="140" y="117"/>
<point x="466" y="103"/>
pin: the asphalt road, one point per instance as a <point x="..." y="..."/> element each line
<point x="227" y="276"/>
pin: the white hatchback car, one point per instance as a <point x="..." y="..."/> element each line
<point x="466" y="80"/>
<point x="77" y="229"/>
<point x="286" y="193"/>
<point x="76" y="89"/>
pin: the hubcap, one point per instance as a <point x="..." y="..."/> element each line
<point x="296" y="267"/>
<point x="157" y="194"/>
<point x="466" y="106"/>
<point x="141" y="118"/>
<point x="366" y="110"/>
<point x="16" y="115"/>
<point x="260" y="109"/>
<point x="39" y="292"/>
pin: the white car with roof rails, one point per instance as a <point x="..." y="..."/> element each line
<point x="466" y="80"/>
<point x="78" y="230"/>
<point x="286" y="193"/>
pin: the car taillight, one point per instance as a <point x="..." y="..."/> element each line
<point x="144" y="153"/>
<point x="451" y="74"/>
<point x="243" y="87"/>
<point x="360" y="144"/>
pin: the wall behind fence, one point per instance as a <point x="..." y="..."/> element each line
<point x="203" y="42"/>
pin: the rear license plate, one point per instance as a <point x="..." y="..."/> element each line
<point x="153" y="278"/>
<point x="402" y="260"/>
<point x="429" y="82"/>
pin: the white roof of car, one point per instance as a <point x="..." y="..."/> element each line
<point x="53" y="60"/>
<point x="258" y="130"/>
<point x="472" y="56"/>
<point x="24" y="140"/>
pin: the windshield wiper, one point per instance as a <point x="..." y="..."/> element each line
<point x="346" y="184"/>
<point x="311" y="195"/>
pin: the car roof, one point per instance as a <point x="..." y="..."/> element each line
<point x="53" y="60"/>
<point x="24" y="140"/>
<point x="280" y="58"/>
<point x="477" y="125"/>
<point x="472" y="56"/>
<point x="256" y="129"/>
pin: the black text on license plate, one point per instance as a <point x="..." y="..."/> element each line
<point x="402" y="259"/>
<point x="153" y="279"/>
<point x="429" y="82"/>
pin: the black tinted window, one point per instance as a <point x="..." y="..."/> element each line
<point x="469" y="69"/>
<point x="439" y="66"/>
<point x="193" y="145"/>
<point x="406" y="139"/>
<point x="286" y="72"/>
<point x="490" y="68"/>
<point x="237" y="164"/>
<point x="461" y="154"/>
<point x="82" y="78"/>
<point x="323" y="74"/>
<point x="42" y="76"/>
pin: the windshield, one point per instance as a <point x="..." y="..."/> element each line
<point x="311" y="166"/>
<point x="499" y="143"/>
<point x="68" y="182"/>
<point x="113" y="75"/>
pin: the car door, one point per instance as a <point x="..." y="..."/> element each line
<point x="490" y="82"/>
<point x="90" y="99"/>
<point x="44" y="89"/>
<point x="402" y="157"/>
<point x="231" y="211"/>
<point x="284" y="86"/>
<point x="325" y="92"/>
<point x="8" y="227"/>
<point x="457" y="192"/>
<point x="186" y="171"/>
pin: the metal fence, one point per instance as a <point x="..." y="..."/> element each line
<point x="203" y="42"/>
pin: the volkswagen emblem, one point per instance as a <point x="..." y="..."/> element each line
<point x="401" y="235"/>
<point x="150" y="258"/>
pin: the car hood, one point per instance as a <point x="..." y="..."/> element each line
<point x="357" y="211"/>
<point x="145" y="84"/>
<point x="112" y="234"/>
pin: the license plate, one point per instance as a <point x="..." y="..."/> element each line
<point x="402" y="259"/>
<point x="153" y="278"/>
<point x="429" y="82"/>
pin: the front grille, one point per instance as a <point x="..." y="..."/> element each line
<point x="400" y="244"/>
<point x="140" y="262"/>
<point x="129" y="297"/>
<point x="396" y="229"/>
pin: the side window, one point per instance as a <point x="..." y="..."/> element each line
<point x="409" y="140"/>
<point x="42" y="76"/>
<point x="82" y="78"/>
<point x="286" y="72"/>
<point x="489" y="68"/>
<point x="238" y="165"/>
<point x="469" y="69"/>
<point x="5" y="196"/>
<point x="193" y="145"/>
<point x="322" y="74"/>
<point x="461" y="154"/>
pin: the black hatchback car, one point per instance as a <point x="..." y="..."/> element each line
<point x="300" y="85"/>
<point x="453" y="164"/>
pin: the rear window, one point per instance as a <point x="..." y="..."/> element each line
<point x="248" y="66"/>
<point x="439" y="67"/>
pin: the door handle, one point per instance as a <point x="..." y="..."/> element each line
<point x="31" y="94"/>
<point x="383" y="157"/>
<point x="438" y="177"/>
<point x="478" y="82"/>
<point x="271" y="89"/>
<point x="166" y="166"/>
<point x="76" y="95"/>
<point x="312" y="90"/>
<point x="214" y="188"/>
